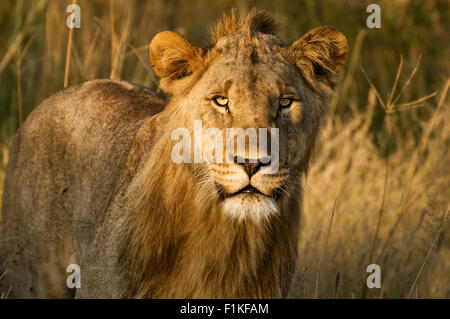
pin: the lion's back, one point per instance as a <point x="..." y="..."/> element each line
<point x="61" y="177"/>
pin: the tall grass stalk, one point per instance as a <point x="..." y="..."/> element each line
<point x="68" y="54"/>
<point x="316" y="294"/>
<point x="414" y="165"/>
<point x="441" y="229"/>
<point x="113" y="74"/>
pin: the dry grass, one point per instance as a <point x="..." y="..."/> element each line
<point x="378" y="187"/>
<point x="348" y="168"/>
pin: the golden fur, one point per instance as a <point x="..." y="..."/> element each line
<point x="142" y="226"/>
<point x="222" y="256"/>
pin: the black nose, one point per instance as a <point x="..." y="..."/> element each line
<point x="251" y="166"/>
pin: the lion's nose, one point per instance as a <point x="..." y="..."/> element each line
<point x="251" y="166"/>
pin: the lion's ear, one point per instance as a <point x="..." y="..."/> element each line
<point x="320" y="54"/>
<point x="172" y="56"/>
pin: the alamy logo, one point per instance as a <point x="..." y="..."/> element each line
<point x="74" y="279"/>
<point x="374" y="19"/>
<point x="74" y="19"/>
<point x="374" y="279"/>
<point x="235" y="141"/>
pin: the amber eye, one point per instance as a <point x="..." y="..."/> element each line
<point x="285" y="102"/>
<point x="221" y="100"/>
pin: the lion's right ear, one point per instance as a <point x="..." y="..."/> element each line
<point x="173" y="57"/>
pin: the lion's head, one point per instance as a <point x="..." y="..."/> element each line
<point x="250" y="79"/>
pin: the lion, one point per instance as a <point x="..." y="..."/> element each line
<point x="91" y="181"/>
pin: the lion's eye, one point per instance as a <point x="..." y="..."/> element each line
<point x="221" y="100"/>
<point x="285" y="102"/>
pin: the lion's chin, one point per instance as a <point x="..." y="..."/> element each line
<point x="250" y="206"/>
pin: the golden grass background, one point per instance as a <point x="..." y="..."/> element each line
<point x="381" y="166"/>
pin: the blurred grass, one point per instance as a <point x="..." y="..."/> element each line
<point x="386" y="168"/>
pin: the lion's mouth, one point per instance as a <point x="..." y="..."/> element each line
<point x="249" y="190"/>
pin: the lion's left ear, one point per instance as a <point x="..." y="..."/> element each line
<point x="320" y="54"/>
